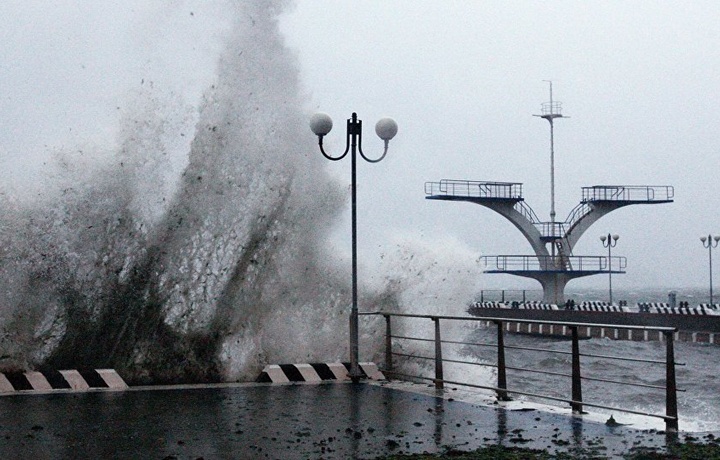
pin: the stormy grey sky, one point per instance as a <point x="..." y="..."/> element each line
<point x="639" y="80"/>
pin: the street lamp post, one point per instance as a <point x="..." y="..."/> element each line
<point x="708" y="243"/>
<point x="610" y="242"/>
<point x="386" y="128"/>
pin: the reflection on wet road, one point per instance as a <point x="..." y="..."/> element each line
<point x="283" y="422"/>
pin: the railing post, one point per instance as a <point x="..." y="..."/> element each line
<point x="671" y="409"/>
<point x="438" y="355"/>
<point x="576" y="379"/>
<point x="502" y="378"/>
<point x="388" y="344"/>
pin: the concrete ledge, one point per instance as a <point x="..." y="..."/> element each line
<point x="315" y="372"/>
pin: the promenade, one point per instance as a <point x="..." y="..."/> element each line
<point x="288" y="421"/>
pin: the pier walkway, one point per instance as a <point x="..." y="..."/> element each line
<point x="289" y="421"/>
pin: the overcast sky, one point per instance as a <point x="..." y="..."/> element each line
<point x="639" y="81"/>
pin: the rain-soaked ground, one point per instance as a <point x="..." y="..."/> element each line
<point x="296" y="421"/>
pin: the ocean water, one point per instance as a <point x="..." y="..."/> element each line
<point x="698" y="398"/>
<point x="696" y="370"/>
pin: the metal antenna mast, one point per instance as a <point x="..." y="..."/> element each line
<point x="550" y="111"/>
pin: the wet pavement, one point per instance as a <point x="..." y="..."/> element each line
<point x="295" y="421"/>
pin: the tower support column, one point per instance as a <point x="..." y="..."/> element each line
<point x="553" y="285"/>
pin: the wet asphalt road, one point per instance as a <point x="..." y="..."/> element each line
<point x="300" y="421"/>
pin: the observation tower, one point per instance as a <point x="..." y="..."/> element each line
<point x="554" y="263"/>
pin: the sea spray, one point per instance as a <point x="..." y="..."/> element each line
<point x="430" y="279"/>
<point x="196" y="246"/>
<point x="120" y="263"/>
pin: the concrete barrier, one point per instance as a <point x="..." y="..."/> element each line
<point x="489" y="304"/>
<point x="64" y="380"/>
<point x="537" y="306"/>
<point x="600" y="307"/>
<point x="315" y="372"/>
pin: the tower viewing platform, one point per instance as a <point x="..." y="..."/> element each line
<point x="467" y="190"/>
<point x="596" y="201"/>
<point x="573" y="266"/>
<point x="553" y="267"/>
<point x="628" y="194"/>
<point x="554" y="263"/>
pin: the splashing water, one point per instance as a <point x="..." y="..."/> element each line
<point x="182" y="270"/>
<point x="197" y="249"/>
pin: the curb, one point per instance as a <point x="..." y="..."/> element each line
<point x="315" y="372"/>
<point x="72" y="380"/>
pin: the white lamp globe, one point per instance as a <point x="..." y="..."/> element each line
<point x="321" y="124"/>
<point x="386" y="128"/>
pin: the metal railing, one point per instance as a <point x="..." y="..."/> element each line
<point x="502" y="390"/>
<point x="527" y="212"/>
<point x="474" y="189"/>
<point x="557" y="263"/>
<point x="502" y="295"/>
<point x="577" y="213"/>
<point x="555" y="230"/>
<point x="551" y="108"/>
<point x="646" y="193"/>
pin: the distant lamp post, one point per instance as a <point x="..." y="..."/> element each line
<point x="610" y="242"/>
<point x="708" y="243"/>
<point x="386" y="128"/>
